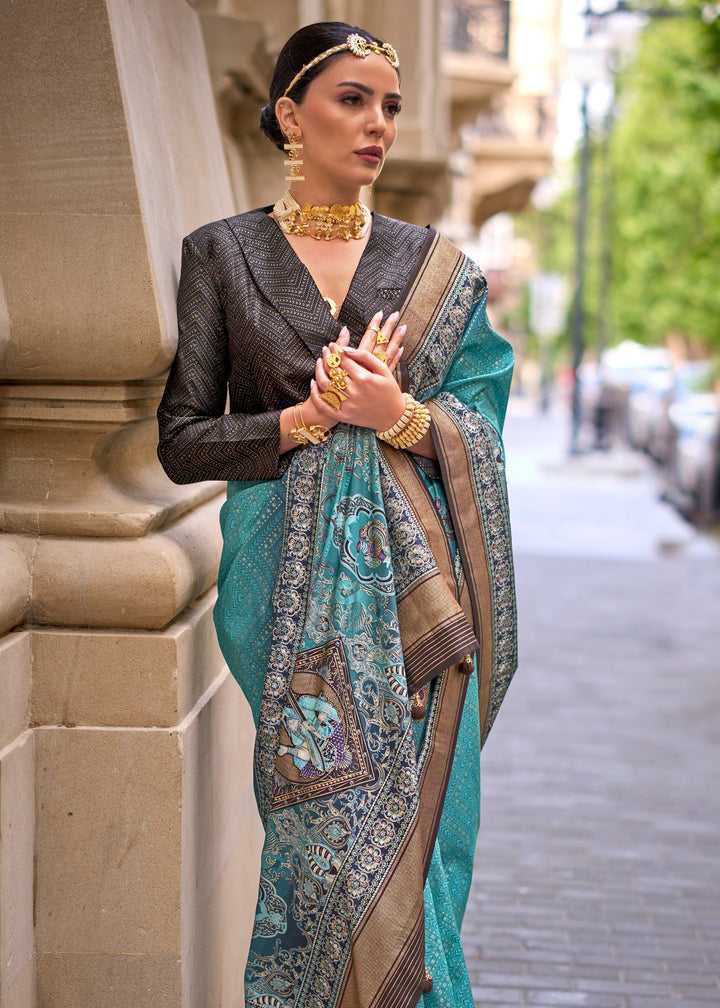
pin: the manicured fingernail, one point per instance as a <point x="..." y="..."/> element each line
<point x="402" y="330"/>
<point x="350" y="349"/>
<point x="400" y="352"/>
<point x="344" y="331"/>
<point x="395" y="315"/>
<point x="313" y="383"/>
<point x="379" y="315"/>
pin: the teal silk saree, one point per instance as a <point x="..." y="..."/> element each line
<point x="356" y="578"/>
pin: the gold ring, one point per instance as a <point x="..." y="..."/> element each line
<point x="381" y="356"/>
<point x="382" y="339"/>
<point x="372" y="328"/>
<point x="334" y="396"/>
<point x="336" y="392"/>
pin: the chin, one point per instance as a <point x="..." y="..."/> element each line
<point x="369" y="178"/>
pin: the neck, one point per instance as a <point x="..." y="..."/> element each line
<point x="304" y="193"/>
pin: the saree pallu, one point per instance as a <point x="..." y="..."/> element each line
<point x="345" y="586"/>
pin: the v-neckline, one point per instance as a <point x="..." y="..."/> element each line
<point x="298" y="298"/>
<point x="340" y="320"/>
<point x="307" y="269"/>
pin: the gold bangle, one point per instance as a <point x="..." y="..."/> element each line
<point x="309" y="435"/>
<point x="410" y="428"/>
<point x="404" y="418"/>
<point x="302" y="435"/>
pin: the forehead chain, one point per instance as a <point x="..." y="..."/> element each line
<point x="358" y="45"/>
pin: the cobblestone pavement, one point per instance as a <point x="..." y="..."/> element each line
<point x="597" y="879"/>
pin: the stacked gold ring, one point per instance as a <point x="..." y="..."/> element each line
<point x="336" y="393"/>
<point x="380" y="342"/>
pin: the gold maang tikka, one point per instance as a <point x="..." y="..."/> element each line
<point x="293" y="162"/>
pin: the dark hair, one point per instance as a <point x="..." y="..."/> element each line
<point x="298" y="51"/>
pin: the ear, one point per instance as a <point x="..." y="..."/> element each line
<point x="285" y="110"/>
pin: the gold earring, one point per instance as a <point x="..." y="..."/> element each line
<point x="370" y="189"/>
<point x="293" y="162"/>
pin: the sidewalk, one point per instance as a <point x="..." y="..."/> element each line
<point x="597" y="878"/>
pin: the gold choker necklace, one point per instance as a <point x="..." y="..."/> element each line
<point x="322" y="222"/>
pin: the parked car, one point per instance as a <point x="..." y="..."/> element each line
<point x="648" y="400"/>
<point x="630" y="363"/>
<point x="693" y="470"/>
<point x="689" y="378"/>
<point x="626" y="372"/>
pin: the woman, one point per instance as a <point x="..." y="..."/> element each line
<point x="366" y="599"/>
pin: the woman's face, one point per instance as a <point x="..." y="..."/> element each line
<point x="348" y="123"/>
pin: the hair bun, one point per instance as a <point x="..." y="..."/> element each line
<point x="270" y="126"/>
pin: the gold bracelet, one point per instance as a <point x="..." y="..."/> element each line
<point x="405" y="418"/>
<point x="402" y="422"/>
<point x="302" y="435"/>
<point x="410" y="428"/>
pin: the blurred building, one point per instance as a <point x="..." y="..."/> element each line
<point x="502" y="64"/>
<point x="129" y="835"/>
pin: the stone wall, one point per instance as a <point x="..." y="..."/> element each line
<point x="128" y="830"/>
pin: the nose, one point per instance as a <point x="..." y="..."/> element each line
<point x="376" y="120"/>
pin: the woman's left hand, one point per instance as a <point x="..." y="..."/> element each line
<point x="372" y="340"/>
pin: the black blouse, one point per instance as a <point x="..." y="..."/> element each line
<point x="251" y="324"/>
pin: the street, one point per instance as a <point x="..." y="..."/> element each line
<point x="597" y="879"/>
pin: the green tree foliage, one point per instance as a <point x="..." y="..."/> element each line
<point x="666" y="168"/>
<point x="658" y="185"/>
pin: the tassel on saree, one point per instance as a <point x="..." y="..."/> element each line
<point x="419" y="705"/>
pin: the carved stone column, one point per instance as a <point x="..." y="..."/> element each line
<point x="128" y="826"/>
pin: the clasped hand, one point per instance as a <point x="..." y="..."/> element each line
<point x="373" y="395"/>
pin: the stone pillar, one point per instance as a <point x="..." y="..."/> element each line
<point x="128" y="829"/>
<point x="17" y="800"/>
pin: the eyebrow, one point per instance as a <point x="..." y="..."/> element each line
<point x="367" y="90"/>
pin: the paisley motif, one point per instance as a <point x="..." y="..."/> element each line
<point x="271" y="914"/>
<point x="364" y="542"/>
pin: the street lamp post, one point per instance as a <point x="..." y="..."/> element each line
<point x="633" y="20"/>
<point x="578" y="315"/>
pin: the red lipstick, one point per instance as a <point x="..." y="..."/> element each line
<point x="371" y="155"/>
